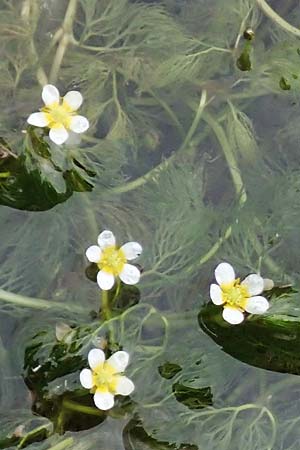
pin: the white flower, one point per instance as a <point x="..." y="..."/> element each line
<point x="59" y="114"/>
<point x="237" y="297"/>
<point x="105" y="379"/>
<point x="112" y="261"/>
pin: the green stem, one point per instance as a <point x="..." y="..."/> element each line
<point x="59" y="426"/>
<point x="229" y="156"/>
<point x="32" y="433"/>
<point x="63" y="444"/>
<point x="195" y="123"/>
<point x="277" y="18"/>
<point x="4" y="174"/>
<point x="158" y="169"/>
<point x="241" y="192"/>
<point x="118" y="288"/>
<point x="105" y="306"/>
<point x="30" y="9"/>
<point x="66" y="38"/>
<point x="35" y="303"/>
<point x="115" y="89"/>
<point x="73" y="406"/>
<point x="213" y="250"/>
<point x="237" y="181"/>
<point x="268" y="261"/>
<point x="169" y="111"/>
<point x="242" y="27"/>
<point x="106" y="314"/>
<point x="152" y="174"/>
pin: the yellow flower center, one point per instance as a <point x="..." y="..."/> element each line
<point x="58" y="115"/>
<point x="112" y="260"/>
<point x="235" y="294"/>
<point x="105" y="378"/>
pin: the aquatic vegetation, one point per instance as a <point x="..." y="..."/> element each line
<point x="237" y="297"/>
<point x="112" y="261"/>
<point x="192" y="156"/>
<point x="60" y="117"/>
<point x="105" y="379"/>
<point x="42" y="175"/>
<point x="265" y="341"/>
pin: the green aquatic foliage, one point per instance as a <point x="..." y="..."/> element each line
<point x="192" y="157"/>
<point x="135" y="438"/>
<point x="242" y="137"/>
<point x="180" y="416"/>
<point x="268" y="342"/>
<point x="52" y="362"/>
<point x="176" y="241"/>
<point x="169" y="370"/>
<point x="244" y="60"/>
<point x="147" y="335"/>
<point x="41" y="175"/>
<point x="51" y="374"/>
<point x="191" y="397"/>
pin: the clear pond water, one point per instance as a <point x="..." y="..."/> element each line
<point x="192" y="151"/>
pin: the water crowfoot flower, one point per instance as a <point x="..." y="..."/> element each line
<point x="105" y="379"/>
<point x="60" y="114"/>
<point x="112" y="261"/>
<point x="236" y="296"/>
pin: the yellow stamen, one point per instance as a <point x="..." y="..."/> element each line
<point x="58" y="115"/>
<point x="235" y="294"/>
<point x="112" y="260"/>
<point x="105" y="378"/>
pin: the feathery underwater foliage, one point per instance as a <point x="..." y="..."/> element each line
<point x="190" y="156"/>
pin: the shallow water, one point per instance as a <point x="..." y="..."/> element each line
<point x="193" y="151"/>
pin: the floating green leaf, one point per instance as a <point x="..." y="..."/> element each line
<point x="270" y="342"/>
<point x="42" y="176"/>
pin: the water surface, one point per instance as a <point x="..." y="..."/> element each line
<point x="193" y="151"/>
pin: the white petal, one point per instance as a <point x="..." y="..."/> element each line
<point x="58" y="135"/>
<point x="268" y="284"/>
<point x="132" y="250"/>
<point x="96" y="356"/>
<point x="73" y="99"/>
<point x="86" y="378"/>
<point x="93" y="253"/>
<point x="257" y="305"/>
<point x="105" y="280"/>
<point x="104" y="400"/>
<point x="124" y="386"/>
<point x="38" y="119"/>
<point x="254" y="284"/>
<point x="79" y="124"/>
<point x="216" y="294"/>
<point x="119" y="361"/>
<point x="130" y="274"/>
<point x="50" y="94"/>
<point x="106" y="239"/>
<point x="232" y="315"/>
<point x="224" y="273"/>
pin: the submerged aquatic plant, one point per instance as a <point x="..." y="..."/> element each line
<point x="105" y="379"/>
<point x="59" y="116"/>
<point x="191" y="194"/>
<point x="237" y="297"/>
<point x="112" y="261"/>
